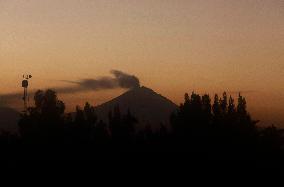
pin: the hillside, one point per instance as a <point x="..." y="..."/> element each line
<point x="149" y="107"/>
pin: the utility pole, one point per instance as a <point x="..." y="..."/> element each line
<point x="25" y="85"/>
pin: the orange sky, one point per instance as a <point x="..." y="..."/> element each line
<point x="173" y="46"/>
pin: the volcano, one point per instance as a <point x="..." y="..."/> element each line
<point x="149" y="107"/>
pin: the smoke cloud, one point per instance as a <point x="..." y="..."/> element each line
<point x="119" y="80"/>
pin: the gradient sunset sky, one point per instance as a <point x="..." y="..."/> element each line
<point x="173" y="46"/>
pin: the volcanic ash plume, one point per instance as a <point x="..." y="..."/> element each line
<point x="120" y="80"/>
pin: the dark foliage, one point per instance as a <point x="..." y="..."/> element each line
<point x="223" y="130"/>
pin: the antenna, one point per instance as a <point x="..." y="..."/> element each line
<point x="25" y="85"/>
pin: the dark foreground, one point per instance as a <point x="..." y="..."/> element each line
<point x="201" y="135"/>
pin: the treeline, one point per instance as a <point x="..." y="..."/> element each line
<point x="218" y="129"/>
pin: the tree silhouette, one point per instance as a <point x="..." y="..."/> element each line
<point x="122" y="127"/>
<point x="222" y="129"/>
<point x="44" y="121"/>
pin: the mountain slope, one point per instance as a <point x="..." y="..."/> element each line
<point x="146" y="105"/>
<point x="9" y="119"/>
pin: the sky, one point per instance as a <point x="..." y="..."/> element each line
<point x="173" y="46"/>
